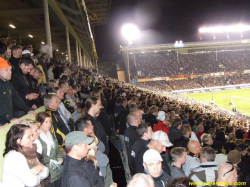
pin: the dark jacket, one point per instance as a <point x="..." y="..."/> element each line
<point x="130" y="137"/>
<point x="20" y="83"/>
<point x="174" y="134"/>
<point x="58" y="128"/>
<point x="8" y="98"/>
<point x="138" y="145"/>
<point x="99" y="132"/>
<point x="57" y="72"/>
<point x="33" y="87"/>
<point x="162" y="181"/>
<point x="121" y="122"/>
<point x="181" y="142"/>
<point x="67" y="105"/>
<point x="79" y="173"/>
<point x="15" y="62"/>
<point x="119" y="109"/>
<point x="103" y="118"/>
<point x="151" y="119"/>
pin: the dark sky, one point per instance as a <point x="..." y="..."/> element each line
<point x="165" y="21"/>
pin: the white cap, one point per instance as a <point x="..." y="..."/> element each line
<point x="161" y="116"/>
<point x="151" y="156"/>
<point x="27" y="52"/>
<point x="162" y="137"/>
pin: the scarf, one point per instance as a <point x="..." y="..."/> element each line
<point x="192" y="154"/>
<point x="48" y="139"/>
<point x="30" y="155"/>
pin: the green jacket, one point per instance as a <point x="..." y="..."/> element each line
<point x="55" y="153"/>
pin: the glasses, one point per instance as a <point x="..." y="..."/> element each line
<point x="230" y="169"/>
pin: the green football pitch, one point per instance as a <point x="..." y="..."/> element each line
<point x="240" y="98"/>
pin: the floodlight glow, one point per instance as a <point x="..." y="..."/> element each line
<point x="12" y="26"/>
<point x="42" y="43"/>
<point x="30" y="36"/>
<point x="130" y="32"/>
<point x="233" y="28"/>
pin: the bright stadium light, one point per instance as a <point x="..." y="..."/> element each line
<point x="219" y="29"/>
<point x="12" y="26"/>
<point x="130" y="32"/>
<point x="31" y="36"/>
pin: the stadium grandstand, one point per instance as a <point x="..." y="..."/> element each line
<point x="169" y="114"/>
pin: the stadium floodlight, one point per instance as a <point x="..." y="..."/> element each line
<point x="219" y="29"/>
<point x="12" y="26"/>
<point x="130" y="32"/>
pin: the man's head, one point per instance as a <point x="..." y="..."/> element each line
<point x="177" y="123"/>
<point x="8" y="53"/>
<point x="5" y="70"/>
<point x="160" y="141"/>
<point x="153" y="110"/>
<point x="141" y="179"/>
<point x="26" y="65"/>
<point x="194" y="147"/>
<point x="152" y="162"/>
<point x="138" y="113"/>
<point x="16" y="51"/>
<point x="36" y="72"/>
<point x="29" y="47"/>
<point x="186" y="131"/>
<point x="227" y="173"/>
<point x="145" y="131"/>
<point x="133" y="120"/>
<point x="93" y="106"/>
<point x="161" y="116"/>
<point x="37" y="54"/>
<point x="234" y="156"/>
<point x="77" y="144"/>
<point x="64" y="85"/>
<point x="179" y="154"/>
<point x="242" y="148"/>
<point x="207" y="154"/>
<point x="84" y="124"/>
<point x="207" y="139"/>
<point x="52" y="101"/>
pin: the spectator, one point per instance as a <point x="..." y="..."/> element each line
<point x="184" y="139"/>
<point x="76" y="171"/>
<point x="179" y="157"/>
<point x="50" y="149"/>
<point x="151" y="117"/>
<point x="152" y="162"/>
<point x="10" y="98"/>
<point x="141" y="179"/>
<point x="208" y="169"/>
<point x="244" y="164"/>
<point x="20" y="165"/>
<point x="16" y="53"/>
<point x="182" y="182"/>
<point x="50" y="71"/>
<point x="174" y="131"/>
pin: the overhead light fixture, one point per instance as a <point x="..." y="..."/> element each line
<point x="131" y="53"/>
<point x="169" y="50"/>
<point x="31" y="36"/>
<point x="42" y="43"/>
<point x="66" y="55"/>
<point x="62" y="53"/>
<point x="57" y="50"/>
<point x="142" y="52"/>
<point x="12" y="26"/>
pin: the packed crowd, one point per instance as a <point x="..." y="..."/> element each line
<point x="194" y="83"/>
<point x="163" y="64"/>
<point x="163" y="142"/>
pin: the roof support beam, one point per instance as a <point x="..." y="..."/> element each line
<point x="21" y="12"/>
<point x="55" y="7"/>
<point x="68" y="9"/>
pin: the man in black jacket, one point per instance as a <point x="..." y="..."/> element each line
<point x="151" y="117"/>
<point x="20" y="83"/>
<point x="16" y="53"/>
<point x="184" y="139"/>
<point x="76" y="171"/>
<point x="65" y="88"/>
<point x="93" y="107"/>
<point x="9" y="96"/>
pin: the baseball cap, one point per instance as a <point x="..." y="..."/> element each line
<point x="242" y="147"/>
<point x="161" y="116"/>
<point x="77" y="137"/>
<point x="4" y="63"/>
<point x="162" y="137"/>
<point x="27" y="52"/>
<point x="151" y="156"/>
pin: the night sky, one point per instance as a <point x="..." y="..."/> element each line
<point x="165" y="21"/>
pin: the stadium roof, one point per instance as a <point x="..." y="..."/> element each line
<point x="80" y="16"/>
<point x="180" y="45"/>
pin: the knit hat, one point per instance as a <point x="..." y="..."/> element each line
<point x="234" y="156"/>
<point x="4" y="63"/>
<point x="77" y="137"/>
<point x="151" y="156"/>
<point x="162" y="137"/>
<point x="161" y="116"/>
